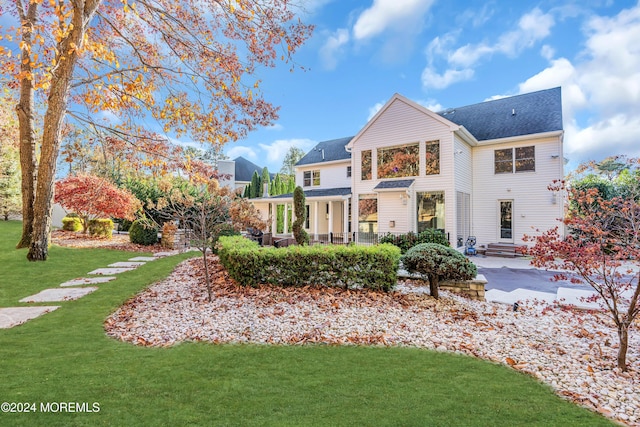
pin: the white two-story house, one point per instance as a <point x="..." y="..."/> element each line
<point x="481" y="170"/>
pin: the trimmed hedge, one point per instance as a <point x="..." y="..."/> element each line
<point x="71" y="223"/>
<point x="100" y="227"/>
<point x="143" y="232"/>
<point x="409" y="240"/>
<point x="373" y="267"/>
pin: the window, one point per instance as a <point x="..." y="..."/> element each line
<point x="432" y="158"/>
<point x="504" y="161"/>
<point x="400" y="161"/>
<point x="525" y="160"/>
<point x="348" y="171"/>
<point x="430" y="210"/>
<point x="368" y="213"/>
<point x="311" y="178"/>
<point x="366" y="165"/>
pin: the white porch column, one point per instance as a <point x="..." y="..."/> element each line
<point x="345" y="216"/>
<point x="330" y="225"/>
<point x="274" y="218"/>
<point x="286" y="219"/>
<point x="315" y="217"/>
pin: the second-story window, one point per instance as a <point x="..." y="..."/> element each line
<point x="311" y="178"/>
<point x="366" y="165"/>
<point x="348" y="171"/>
<point x="398" y="161"/>
<point x="511" y="160"/>
<point x="432" y="164"/>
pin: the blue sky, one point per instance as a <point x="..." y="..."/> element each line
<point x="451" y="53"/>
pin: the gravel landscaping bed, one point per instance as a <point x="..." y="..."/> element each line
<point x="572" y="351"/>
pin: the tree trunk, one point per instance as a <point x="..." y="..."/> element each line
<point x="24" y="109"/>
<point x="433" y="286"/>
<point x="53" y="120"/>
<point x="623" y="335"/>
<point x="206" y="273"/>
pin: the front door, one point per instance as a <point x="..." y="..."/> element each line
<point x="505" y="232"/>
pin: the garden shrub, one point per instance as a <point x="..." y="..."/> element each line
<point x="100" y="228"/>
<point x="435" y="262"/>
<point x="411" y="239"/>
<point x="373" y="267"/>
<point x="143" y="232"/>
<point x="71" y="223"/>
<point x="219" y="230"/>
<point x="300" y="213"/>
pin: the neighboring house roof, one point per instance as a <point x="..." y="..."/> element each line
<point x="396" y="184"/>
<point x="527" y="114"/>
<point x="327" y="151"/>
<point x="326" y="192"/>
<point x="245" y="169"/>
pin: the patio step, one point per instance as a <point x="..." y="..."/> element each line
<point x="503" y="250"/>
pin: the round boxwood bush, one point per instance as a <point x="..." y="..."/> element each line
<point x="101" y="228"/>
<point x="71" y="223"/>
<point x="143" y="232"/>
<point x="435" y="262"/>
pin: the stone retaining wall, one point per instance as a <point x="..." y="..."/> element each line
<point x="474" y="288"/>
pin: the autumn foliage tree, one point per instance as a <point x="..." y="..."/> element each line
<point x="92" y="197"/>
<point x="187" y="66"/>
<point x="602" y="248"/>
<point x="202" y="208"/>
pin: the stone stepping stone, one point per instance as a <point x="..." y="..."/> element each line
<point x="13" y="316"/>
<point x="57" y="294"/>
<point x="164" y="254"/>
<point x="82" y="281"/>
<point x="143" y="258"/>
<point x="111" y="270"/>
<point x="127" y="264"/>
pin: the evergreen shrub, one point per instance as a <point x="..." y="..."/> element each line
<point x="143" y="232"/>
<point x="71" y="223"/>
<point x="101" y="228"/>
<point x="373" y="267"/>
<point x="409" y="240"/>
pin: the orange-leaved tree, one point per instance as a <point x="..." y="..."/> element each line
<point x="93" y="197"/>
<point x="115" y="65"/>
<point x="602" y="248"/>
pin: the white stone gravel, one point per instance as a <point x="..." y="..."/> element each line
<point x="572" y="351"/>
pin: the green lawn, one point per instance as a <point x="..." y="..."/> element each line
<point x="65" y="356"/>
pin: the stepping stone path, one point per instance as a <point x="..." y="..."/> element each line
<point x="67" y="294"/>
<point x="13" y="316"/>
<point x="88" y="281"/>
<point x="70" y="290"/>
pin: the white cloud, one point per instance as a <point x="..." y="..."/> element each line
<point x="276" y="151"/>
<point x="385" y="14"/>
<point x="474" y="17"/>
<point x="431" y="105"/>
<point x="431" y="79"/>
<point x="604" y="82"/>
<point x="374" y="110"/>
<point x="275" y="126"/>
<point x="333" y="48"/>
<point x="240" y="150"/>
<point x="547" y="52"/>
<point x="532" y="27"/>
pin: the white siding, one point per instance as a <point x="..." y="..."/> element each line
<point x="402" y="123"/>
<point x="332" y="175"/>
<point x="532" y="201"/>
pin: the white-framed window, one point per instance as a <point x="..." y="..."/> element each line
<point x="512" y="160"/>
<point x="311" y="178"/>
<point x="348" y="171"/>
<point x="432" y="158"/>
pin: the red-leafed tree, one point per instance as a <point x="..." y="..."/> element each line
<point x="602" y="248"/>
<point x="93" y="197"/>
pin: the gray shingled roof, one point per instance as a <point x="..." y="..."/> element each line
<point x="526" y="114"/>
<point x="333" y="150"/>
<point x="245" y="169"/>
<point x="389" y="185"/>
<point x="325" y="192"/>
